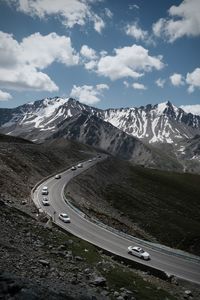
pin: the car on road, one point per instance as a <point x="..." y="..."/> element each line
<point x="45" y="190"/>
<point x="80" y="165"/>
<point x="45" y="201"/>
<point x="64" y="217"/>
<point x="58" y="176"/>
<point x="73" y="168"/>
<point x="90" y="160"/>
<point x="139" y="252"/>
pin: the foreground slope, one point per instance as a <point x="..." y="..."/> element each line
<point x="45" y="263"/>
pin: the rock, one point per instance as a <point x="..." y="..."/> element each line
<point x="44" y="262"/>
<point x="120" y="298"/>
<point x="70" y="242"/>
<point x="99" y="281"/>
<point x="87" y="271"/>
<point x="24" y="202"/>
<point x="61" y="247"/>
<point x="188" y="292"/>
<point x="79" y="258"/>
<point x="116" y="294"/>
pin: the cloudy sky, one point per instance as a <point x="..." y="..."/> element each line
<point x="104" y="53"/>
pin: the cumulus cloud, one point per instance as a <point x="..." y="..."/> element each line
<point x="193" y="109"/>
<point x="177" y="79"/>
<point x="4" y="96"/>
<point x="160" y="82"/>
<point x="70" y="12"/>
<point x="21" y="63"/>
<point x="136" y="32"/>
<point x="88" y="94"/>
<point x="193" y="79"/>
<point x="88" y="52"/>
<point x="139" y="86"/>
<point x="184" y="20"/>
<point x="130" y="61"/>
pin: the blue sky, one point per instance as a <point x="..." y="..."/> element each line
<point x="104" y="53"/>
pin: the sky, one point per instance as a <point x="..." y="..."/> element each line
<point x="104" y="53"/>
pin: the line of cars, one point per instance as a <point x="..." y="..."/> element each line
<point x="45" y="201"/>
<point x="133" y="250"/>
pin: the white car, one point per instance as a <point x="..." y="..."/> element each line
<point x="58" y="176"/>
<point x="45" y="201"/>
<point x="90" y="160"/>
<point x="73" y="168"/>
<point x="139" y="252"/>
<point x="45" y="190"/>
<point x="79" y="165"/>
<point x="64" y="217"/>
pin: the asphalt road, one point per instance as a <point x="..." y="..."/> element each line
<point x="79" y="226"/>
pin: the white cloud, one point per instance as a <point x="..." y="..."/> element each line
<point x="90" y="65"/>
<point x="70" y="12"/>
<point x="194" y="109"/>
<point x="126" y="83"/>
<point x="108" y="13"/>
<point x="184" y="20"/>
<point x="88" y="52"/>
<point x="88" y="94"/>
<point x="133" y="6"/>
<point x="136" y="32"/>
<point x="20" y="63"/>
<point x="193" y="79"/>
<point x="130" y="61"/>
<point x="139" y="86"/>
<point x="41" y="51"/>
<point x="98" y="23"/>
<point x="160" y="82"/>
<point x="177" y="79"/>
<point x="4" y="96"/>
<point x="25" y="77"/>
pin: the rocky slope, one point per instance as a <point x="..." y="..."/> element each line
<point x="160" y="123"/>
<point x="41" y="262"/>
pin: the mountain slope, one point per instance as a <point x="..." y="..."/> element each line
<point x="92" y="130"/>
<point x="114" y="130"/>
<point x="43" y="116"/>
<point x="162" y="122"/>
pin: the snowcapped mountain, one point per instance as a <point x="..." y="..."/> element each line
<point x="160" y="123"/>
<point x="129" y="133"/>
<point x="40" y="117"/>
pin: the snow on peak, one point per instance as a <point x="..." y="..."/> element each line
<point x="161" y="107"/>
<point x="44" y="111"/>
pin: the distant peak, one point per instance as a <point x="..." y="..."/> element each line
<point x="72" y="100"/>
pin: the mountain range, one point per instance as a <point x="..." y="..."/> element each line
<point x="160" y="135"/>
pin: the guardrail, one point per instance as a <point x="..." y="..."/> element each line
<point x="154" y="246"/>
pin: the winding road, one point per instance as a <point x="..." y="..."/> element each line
<point x="105" y="239"/>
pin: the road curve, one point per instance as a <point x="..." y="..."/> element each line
<point x="81" y="227"/>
